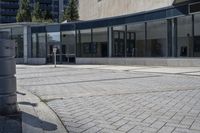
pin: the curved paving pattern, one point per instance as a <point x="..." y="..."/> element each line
<point x="108" y="99"/>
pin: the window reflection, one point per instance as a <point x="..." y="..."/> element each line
<point x="38" y="48"/>
<point x="184" y="39"/>
<point x="53" y="40"/>
<point x="118" y="46"/>
<point x="197" y="35"/>
<point x="85" y="44"/>
<point x="157" y="39"/>
<point x="100" y="42"/>
<point x="17" y="36"/>
<point x="68" y="46"/>
<point x="136" y="40"/>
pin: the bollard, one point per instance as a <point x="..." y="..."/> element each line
<point x="8" y="97"/>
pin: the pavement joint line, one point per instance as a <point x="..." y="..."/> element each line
<point x="120" y="94"/>
<point x="135" y="69"/>
<point x="102" y="80"/>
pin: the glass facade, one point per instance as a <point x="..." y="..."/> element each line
<point x="136" y="40"/>
<point x="184" y="37"/>
<point x="16" y="34"/>
<point x="38" y="47"/>
<point x="196" y="35"/>
<point x="92" y="42"/>
<point x="85" y="46"/>
<point x="156" y="39"/>
<point x="5" y="33"/>
<point x="100" y="42"/>
<point x="68" y="46"/>
<point x="53" y="40"/>
<point x="119" y="40"/>
<point x="143" y="35"/>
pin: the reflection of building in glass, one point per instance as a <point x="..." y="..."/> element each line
<point x="166" y="36"/>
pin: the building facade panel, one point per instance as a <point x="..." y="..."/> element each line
<point x="95" y="9"/>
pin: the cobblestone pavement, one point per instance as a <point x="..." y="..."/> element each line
<point x="117" y="99"/>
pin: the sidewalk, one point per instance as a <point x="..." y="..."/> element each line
<point x="34" y="117"/>
<point x="118" y="99"/>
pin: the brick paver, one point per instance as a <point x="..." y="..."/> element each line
<point x="107" y="99"/>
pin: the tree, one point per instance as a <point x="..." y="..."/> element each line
<point x="71" y="11"/>
<point x="24" y="13"/>
<point x="47" y="17"/>
<point x="37" y="13"/>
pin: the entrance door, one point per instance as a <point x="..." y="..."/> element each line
<point x="130" y="47"/>
<point x="119" y="44"/>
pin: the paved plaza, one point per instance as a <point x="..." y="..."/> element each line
<point x="118" y="99"/>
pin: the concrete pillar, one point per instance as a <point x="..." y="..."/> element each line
<point x="8" y="97"/>
<point x="27" y="43"/>
<point x="174" y="38"/>
<point x="169" y="38"/>
<point x="110" y="42"/>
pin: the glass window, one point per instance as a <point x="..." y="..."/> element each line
<point x="34" y="45"/>
<point x="68" y="46"/>
<point x="53" y="40"/>
<point x="17" y="36"/>
<point x="135" y="40"/>
<point x="100" y="42"/>
<point x="118" y="46"/>
<point x="42" y="45"/>
<point x="5" y="33"/>
<point x="196" y="35"/>
<point x="85" y="47"/>
<point x="156" y="39"/>
<point x="184" y="36"/>
<point x="38" y="48"/>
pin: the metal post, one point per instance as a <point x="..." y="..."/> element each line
<point x="8" y="97"/>
<point x="54" y="52"/>
<point x="55" y="59"/>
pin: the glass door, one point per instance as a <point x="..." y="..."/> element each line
<point x="119" y="44"/>
<point x="53" y="40"/>
<point x="130" y="47"/>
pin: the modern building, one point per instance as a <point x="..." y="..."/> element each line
<point x="166" y="34"/>
<point x="8" y="9"/>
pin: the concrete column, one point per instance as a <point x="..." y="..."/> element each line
<point x="8" y="97"/>
<point x="27" y="43"/>
<point x="174" y="38"/>
<point x="110" y="41"/>
<point x="169" y="38"/>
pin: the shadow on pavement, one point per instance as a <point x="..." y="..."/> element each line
<point x="10" y="123"/>
<point x="28" y="103"/>
<point x="38" y="123"/>
<point x="20" y="93"/>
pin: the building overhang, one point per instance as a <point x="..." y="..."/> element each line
<point x="180" y="1"/>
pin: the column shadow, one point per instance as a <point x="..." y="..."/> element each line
<point x="38" y="123"/>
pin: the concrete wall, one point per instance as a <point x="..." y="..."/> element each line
<point x="172" y="62"/>
<point x="19" y="60"/>
<point x="36" y="61"/>
<point x="95" y="9"/>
